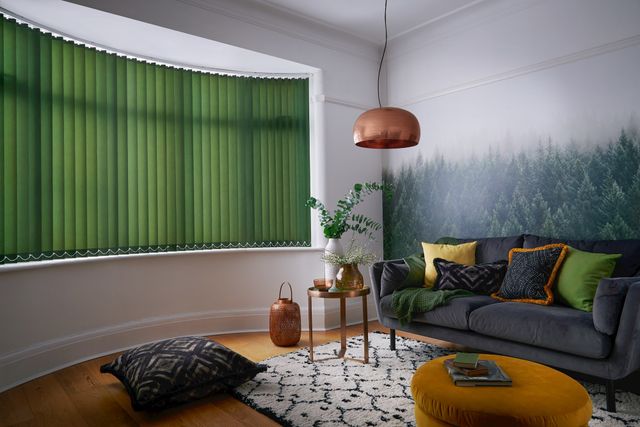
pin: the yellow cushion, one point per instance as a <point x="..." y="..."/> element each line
<point x="464" y="253"/>
<point x="540" y="396"/>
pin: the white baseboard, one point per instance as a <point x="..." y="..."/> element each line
<point x="23" y="365"/>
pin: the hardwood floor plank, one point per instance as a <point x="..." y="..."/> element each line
<point x="244" y="414"/>
<point x="87" y="395"/>
<point x="82" y="396"/>
<point x="14" y="408"/>
<point x="50" y="404"/>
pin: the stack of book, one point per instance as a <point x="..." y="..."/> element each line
<point x="467" y="369"/>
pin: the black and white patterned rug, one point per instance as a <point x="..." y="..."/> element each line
<point x="298" y="393"/>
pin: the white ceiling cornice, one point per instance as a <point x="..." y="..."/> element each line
<point x="456" y="11"/>
<point x="476" y="14"/>
<point x="303" y="17"/>
<point x="266" y="16"/>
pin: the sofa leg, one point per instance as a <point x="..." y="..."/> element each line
<point x="392" y="339"/>
<point x="611" y="396"/>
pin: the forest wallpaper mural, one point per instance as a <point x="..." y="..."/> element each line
<point x="522" y="130"/>
<point x="576" y="191"/>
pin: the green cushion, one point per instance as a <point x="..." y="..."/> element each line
<point x="447" y="241"/>
<point x="579" y="277"/>
<point x="415" y="278"/>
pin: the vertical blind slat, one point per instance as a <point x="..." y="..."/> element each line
<point x="102" y="154"/>
<point x="46" y="153"/>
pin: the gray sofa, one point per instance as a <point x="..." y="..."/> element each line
<point x="604" y="343"/>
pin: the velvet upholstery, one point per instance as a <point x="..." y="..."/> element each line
<point x="481" y="279"/>
<point x="492" y="249"/>
<point x="627" y="266"/>
<point x="455" y="314"/>
<point x="608" y="303"/>
<point x="393" y="277"/>
<point x="554" y="327"/>
<point x="540" y="396"/>
<point x="622" y="360"/>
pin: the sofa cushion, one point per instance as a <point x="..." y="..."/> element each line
<point x="608" y="303"/>
<point x="179" y="370"/>
<point x="492" y="249"/>
<point x="481" y="279"/>
<point x="579" y="277"/>
<point x="627" y="266"/>
<point x="531" y="274"/>
<point x="464" y="253"/>
<point x="393" y="277"/>
<point x="415" y="277"/>
<point x="553" y="327"/>
<point x="455" y="314"/>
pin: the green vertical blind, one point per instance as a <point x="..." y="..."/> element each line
<point x="103" y="154"/>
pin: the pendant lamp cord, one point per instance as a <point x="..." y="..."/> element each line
<point x="384" y="50"/>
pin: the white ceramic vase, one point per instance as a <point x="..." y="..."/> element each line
<point x="330" y="270"/>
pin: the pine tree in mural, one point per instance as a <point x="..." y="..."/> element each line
<point x="553" y="191"/>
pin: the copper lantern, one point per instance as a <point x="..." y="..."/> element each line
<point x="284" y="320"/>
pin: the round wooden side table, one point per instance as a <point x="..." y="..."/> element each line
<point x="342" y="295"/>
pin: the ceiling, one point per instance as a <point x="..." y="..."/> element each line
<point x="365" y="18"/>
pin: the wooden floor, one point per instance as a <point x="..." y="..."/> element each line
<point x="81" y="396"/>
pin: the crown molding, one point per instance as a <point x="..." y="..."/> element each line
<point x="343" y="102"/>
<point x="264" y="15"/>
<point x="303" y="17"/>
<point x="474" y="15"/>
<point x="528" y="69"/>
<point x="436" y="19"/>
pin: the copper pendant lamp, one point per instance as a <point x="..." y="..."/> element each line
<point x="386" y="127"/>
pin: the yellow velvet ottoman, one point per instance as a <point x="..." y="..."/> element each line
<point x="540" y="396"/>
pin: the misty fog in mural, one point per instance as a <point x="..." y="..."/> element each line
<point x="574" y="191"/>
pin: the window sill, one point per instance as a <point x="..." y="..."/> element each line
<point x="29" y="265"/>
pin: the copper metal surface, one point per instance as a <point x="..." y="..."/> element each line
<point x="343" y="295"/>
<point x="386" y="127"/>
<point x="284" y="320"/>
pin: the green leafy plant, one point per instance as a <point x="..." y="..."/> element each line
<point x="356" y="254"/>
<point x="342" y="220"/>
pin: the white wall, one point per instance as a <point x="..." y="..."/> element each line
<point x="508" y="74"/>
<point x="59" y="313"/>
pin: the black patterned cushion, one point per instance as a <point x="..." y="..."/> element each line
<point x="482" y="279"/>
<point x="179" y="370"/>
<point x="531" y="274"/>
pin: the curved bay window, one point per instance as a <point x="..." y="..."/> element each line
<point x="104" y="154"/>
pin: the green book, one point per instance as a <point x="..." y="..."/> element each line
<point x="466" y="360"/>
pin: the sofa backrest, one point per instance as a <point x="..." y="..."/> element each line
<point x="627" y="266"/>
<point x="491" y="249"/>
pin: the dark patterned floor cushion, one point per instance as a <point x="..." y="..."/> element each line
<point x="481" y="279"/>
<point x="531" y="274"/>
<point x="179" y="370"/>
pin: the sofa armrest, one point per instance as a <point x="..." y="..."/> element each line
<point x="608" y="302"/>
<point x="376" y="276"/>
<point x="376" y="284"/>
<point x="625" y="357"/>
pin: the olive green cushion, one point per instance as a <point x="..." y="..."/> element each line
<point x="579" y="277"/>
<point x="415" y="278"/>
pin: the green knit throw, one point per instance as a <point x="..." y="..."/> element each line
<point x="409" y="301"/>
